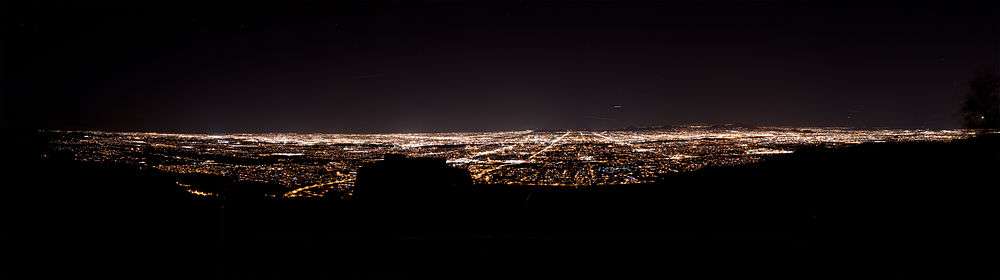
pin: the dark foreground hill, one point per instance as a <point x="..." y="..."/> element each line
<point x="905" y="210"/>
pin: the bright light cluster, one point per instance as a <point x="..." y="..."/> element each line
<point x="314" y="165"/>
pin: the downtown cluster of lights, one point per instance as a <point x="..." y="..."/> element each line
<point x="316" y="165"/>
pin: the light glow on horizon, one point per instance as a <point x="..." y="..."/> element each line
<point x="315" y="164"/>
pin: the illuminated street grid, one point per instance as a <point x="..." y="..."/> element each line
<point x="313" y="165"/>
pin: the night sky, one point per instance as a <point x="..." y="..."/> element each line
<point x="406" y="66"/>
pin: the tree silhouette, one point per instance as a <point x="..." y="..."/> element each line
<point x="981" y="108"/>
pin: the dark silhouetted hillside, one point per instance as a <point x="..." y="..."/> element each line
<point x="886" y="210"/>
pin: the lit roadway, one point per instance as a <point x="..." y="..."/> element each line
<point x="295" y="192"/>
<point x="551" y="144"/>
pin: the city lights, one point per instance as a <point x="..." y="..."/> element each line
<point x="313" y="165"/>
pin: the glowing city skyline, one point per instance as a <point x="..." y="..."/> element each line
<point x="316" y="164"/>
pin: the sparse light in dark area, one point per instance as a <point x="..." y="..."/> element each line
<point x="500" y="139"/>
